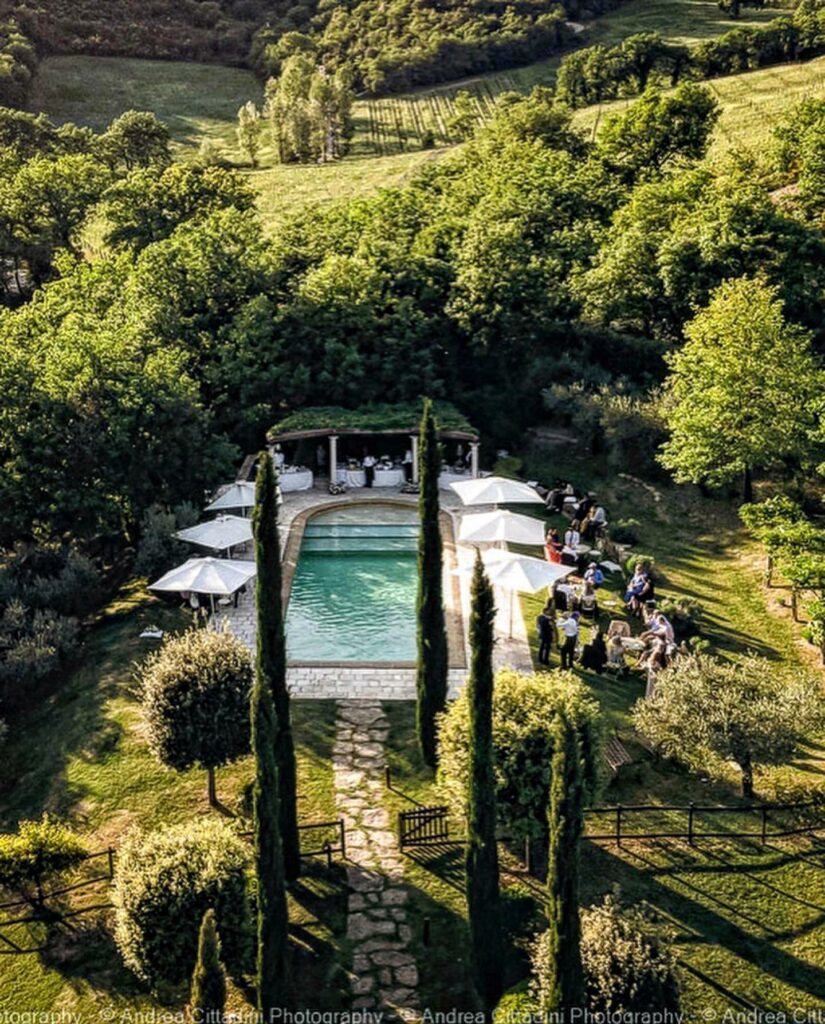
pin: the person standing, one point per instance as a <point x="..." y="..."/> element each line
<point x="545" y="625"/>
<point x="279" y="459"/>
<point x="368" y="465"/>
<point x="408" y="465"/>
<point x="570" y="631"/>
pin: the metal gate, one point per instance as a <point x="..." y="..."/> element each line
<point x="424" y="826"/>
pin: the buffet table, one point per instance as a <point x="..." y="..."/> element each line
<point x="296" y="478"/>
<point x="383" y="477"/>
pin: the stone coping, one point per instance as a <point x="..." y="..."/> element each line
<point x="457" y="656"/>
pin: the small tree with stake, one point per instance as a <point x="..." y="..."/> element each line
<point x="431" y="679"/>
<point x="208" y="994"/>
<point x="196" y="701"/>
<point x="271" y="663"/>
<point x="483" y="900"/>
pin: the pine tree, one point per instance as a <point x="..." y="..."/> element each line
<point x="273" y="921"/>
<point x="482" y="852"/>
<point x="272" y="658"/>
<point x="208" y="993"/>
<point x="562" y="987"/>
<point x="431" y="679"/>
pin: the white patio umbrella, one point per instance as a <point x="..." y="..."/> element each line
<point x="238" y="495"/>
<point x="219" y="534"/>
<point x="495" y="490"/>
<point x="501" y="526"/>
<point x="521" y="574"/>
<point x="221" y="576"/>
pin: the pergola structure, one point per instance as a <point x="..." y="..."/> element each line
<point x="333" y="423"/>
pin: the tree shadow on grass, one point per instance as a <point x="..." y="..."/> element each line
<point x="702" y="925"/>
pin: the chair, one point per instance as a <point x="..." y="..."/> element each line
<point x="618" y="627"/>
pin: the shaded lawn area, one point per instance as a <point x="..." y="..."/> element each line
<point x="748" y="922"/>
<point x="82" y="755"/>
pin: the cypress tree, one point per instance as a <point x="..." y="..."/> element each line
<point x="431" y="677"/>
<point x="482" y="853"/>
<point x="272" y="656"/>
<point x="208" y="993"/>
<point x="562" y="986"/>
<point x="273" y="921"/>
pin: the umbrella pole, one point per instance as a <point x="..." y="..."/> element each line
<point x="512" y="602"/>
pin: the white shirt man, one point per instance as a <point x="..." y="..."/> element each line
<point x="368" y="464"/>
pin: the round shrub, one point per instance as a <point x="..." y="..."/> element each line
<point x="627" y="964"/>
<point x="164" y="883"/>
<point x="524" y="712"/>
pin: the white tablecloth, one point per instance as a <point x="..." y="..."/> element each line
<point x="447" y="478"/>
<point x="296" y="480"/>
<point x="383" y="477"/>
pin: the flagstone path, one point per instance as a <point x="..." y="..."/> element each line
<point x="384" y="973"/>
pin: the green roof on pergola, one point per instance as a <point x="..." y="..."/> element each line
<point x="403" y="418"/>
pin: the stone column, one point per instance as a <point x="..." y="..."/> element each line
<point x="414" y="443"/>
<point x="474" y="446"/>
<point x="333" y="458"/>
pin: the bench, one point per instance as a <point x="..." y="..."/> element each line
<point x="616" y="755"/>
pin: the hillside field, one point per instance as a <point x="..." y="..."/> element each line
<point x="199" y="101"/>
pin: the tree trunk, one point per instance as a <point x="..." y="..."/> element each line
<point x="210" y="784"/>
<point x="747" y="485"/>
<point x="769" y="571"/>
<point x="794" y="608"/>
<point x="747" y="778"/>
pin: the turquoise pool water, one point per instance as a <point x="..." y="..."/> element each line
<point x="354" y="590"/>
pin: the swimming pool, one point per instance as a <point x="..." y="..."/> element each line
<point x="354" y="590"/>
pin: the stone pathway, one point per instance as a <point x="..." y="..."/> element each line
<point x="384" y="973"/>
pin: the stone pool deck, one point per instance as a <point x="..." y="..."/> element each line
<point x="375" y="680"/>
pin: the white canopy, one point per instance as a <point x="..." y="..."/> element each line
<point x="495" y="490"/>
<point x="238" y="495"/>
<point x="218" y="534"/>
<point x="501" y="526"/>
<point x="520" y="572"/>
<point x="221" y="576"/>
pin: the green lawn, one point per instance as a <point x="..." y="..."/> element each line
<point x="195" y="101"/>
<point x="82" y="755"/>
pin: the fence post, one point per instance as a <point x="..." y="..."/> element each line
<point x="618" y="825"/>
<point x="111" y="857"/>
<point x="764" y="824"/>
<point x="343" y="832"/>
<point x="328" y="852"/>
<point x="690" y="823"/>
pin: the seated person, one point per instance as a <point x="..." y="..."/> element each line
<point x="594" y="655"/>
<point x="594" y="575"/>
<point x="658" y="627"/>
<point x="572" y="537"/>
<point x="553" y="545"/>
<point x="634" y="598"/>
<point x="616" y="661"/>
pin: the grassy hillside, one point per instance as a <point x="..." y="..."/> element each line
<point x="751" y="103"/>
<point x="196" y="101"/>
<point x="391" y="124"/>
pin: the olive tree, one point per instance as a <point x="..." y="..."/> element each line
<point x="196" y="692"/>
<point x="706" y="712"/>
